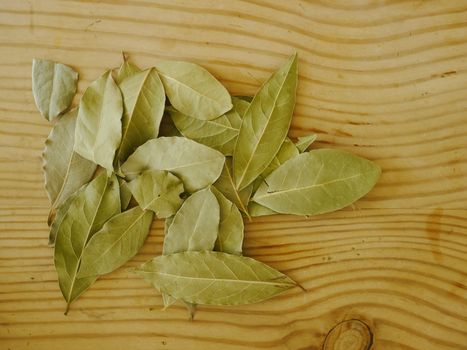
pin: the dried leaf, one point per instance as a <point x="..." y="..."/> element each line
<point x="220" y="133"/>
<point x="143" y="108"/>
<point x="196" y="165"/>
<point x="317" y="182"/>
<point x="195" y="226"/>
<point x="53" y="87"/>
<point x="159" y="191"/>
<point x="99" y="128"/>
<point x="230" y="236"/>
<point x="65" y="171"/>
<point x="117" y="242"/>
<point x="304" y="142"/>
<point x="256" y="210"/>
<point x="214" y="278"/>
<point x="125" y="194"/>
<point x="95" y="203"/>
<point x="193" y="91"/>
<point x="265" y="124"/>
<point x="126" y="70"/>
<point x="60" y="215"/>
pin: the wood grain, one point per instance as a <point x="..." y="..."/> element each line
<point x="384" y="79"/>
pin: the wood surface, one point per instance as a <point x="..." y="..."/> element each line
<point x="384" y="79"/>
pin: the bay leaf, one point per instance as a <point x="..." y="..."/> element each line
<point x="159" y="191"/>
<point x="214" y="278"/>
<point x="60" y="215"/>
<point x="317" y="182"/>
<point x="220" y="133"/>
<point x="225" y="184"/>
<point x="143" y="108"/>
<point x="125" y="194"/>
<point x="230" y="236"/>
<point x="265" y="124"/>
<point x="196" y="225"/>
<point x="304" y="142"/>
<point x="89" y="210"/>
<point x="193" y="91"/>
<point x="196" y="165"/>
<point x="115" y="243"/>
<point x="53" y="86"/>
<point x="65" y="171"/>
<point x="167" y="127"/>
<point x="99" y="127"/>
<point x="256" y="210"/>
<point x="126" y="70"/>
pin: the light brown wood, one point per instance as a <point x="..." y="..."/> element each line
<point x="384" y="79"/>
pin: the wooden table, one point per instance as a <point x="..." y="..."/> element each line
<point x="384" y="79"/>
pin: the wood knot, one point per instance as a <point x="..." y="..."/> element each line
<point x="349" y="335"/>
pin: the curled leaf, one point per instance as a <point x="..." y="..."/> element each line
<point x="53" y="87"/>
<point x="65" y="171"/>
<point x="193" y="91"/>
<point x="99" y="128"/>
<point x="214" y="278"/>
<point x="317" y="182"/>
<point x="159" y="191"/>
<point x="196" y="165"/>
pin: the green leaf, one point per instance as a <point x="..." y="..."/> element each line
<point x="265" y="124"/>
<point x="220" y="133"/>
<point x="118" y="241"/>
<point x="255" y="210"/>
<point x="126" y="70"/>
<point x="318" y="182"/>
<point x="99" y="128"/>
<point x="125" y="194"/>
<point x="60" y="215"/>
<point x="159" y="191"/>
<point x="226" y="185"/>
<point x="167" y="127"/>
<point x="195" y="226"/>
<point x="230" y="236"/>
<point x="214" y="278"/>
<point x="53" y="87"/>
<point x="144" y="103"/>
<point x="304" y="142"/>
<point x="95" y="203"/>
<point x="196" y="165"/>
<point x="65" y="171"/>
<point x="240" y="106"/>
<point x="193" y="91"/>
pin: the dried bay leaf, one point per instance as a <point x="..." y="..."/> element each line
<point x="144" y="103"/>
<point x="196" y="165"/>
<point x="99" y="127"/>
<point x="317" y="182"/>
<point x="195" y="226"/>
<point x="65" y="171"/>
<point x="60" y="215"/>
<point x="193" y="91"/>
<point x="230" y="236"/>
<point x="255" y="210"/>
<point x="92" y="206"/>
<point x="304" y="142"/>
<point x="117" y="242"/>
<point x="220" y="133"/>
<point x="125" y="194"/>
<point x="53" y="87"/>
<point x="265" y="124"/>
<point x="159" y="191"/>
<point x="126" y="70"/>
<point x="214" y="278"/>
<point x="225" y="184"/>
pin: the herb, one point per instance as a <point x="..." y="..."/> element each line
<point x="196" y="165"/>
<point x="65" y="171"/>
<point x="214" y="278"/>
<point x="53" y="87"/>
<point x="198" y="158"/>
<point x="98" y="128"/>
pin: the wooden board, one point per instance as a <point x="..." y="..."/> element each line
<point x="384" y="79"/>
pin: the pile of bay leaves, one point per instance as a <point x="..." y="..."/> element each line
<point x="169" y="142"/>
